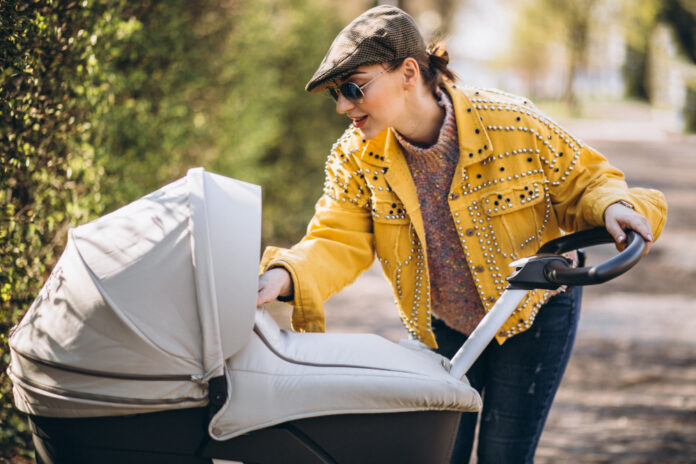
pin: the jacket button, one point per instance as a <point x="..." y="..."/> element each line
<point x="454" y="196"/>
<point x="479" y="269"/>
<point x="470" y="232"/>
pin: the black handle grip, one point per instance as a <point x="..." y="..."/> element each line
<point x="548" y="270"/>
<point x="561" y="273"/>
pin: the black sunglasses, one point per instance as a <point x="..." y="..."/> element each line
<point x="351" y="90"/>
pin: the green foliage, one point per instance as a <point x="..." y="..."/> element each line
<point x="159" y="62"/>
<point x="230" y="98"/>
<point x="271" y="131"/>
<point x="47" y="182"/>
<point x="103" y="101"/>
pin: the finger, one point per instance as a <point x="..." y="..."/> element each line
<point x="263" y="291"/>
<point x="615" y="231"/>
<point x="646" y="233"/>
<point x="648" y="246"/>
<point x="262" y="300"/>
<point x="645" y="230"/>
<point x="265" y="295"/>
<point x="638" y="223"/>
<point x="641" y="225"/>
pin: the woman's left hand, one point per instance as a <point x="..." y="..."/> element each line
<point x="618" y="217"/>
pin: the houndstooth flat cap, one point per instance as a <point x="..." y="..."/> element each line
<point x="379" y="35"/>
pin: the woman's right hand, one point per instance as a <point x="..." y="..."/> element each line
<point x="272" y="284"/>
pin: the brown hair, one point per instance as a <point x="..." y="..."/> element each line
<point x="433" y="63"/>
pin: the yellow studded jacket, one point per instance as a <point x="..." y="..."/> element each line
<point x="521" y="180"/>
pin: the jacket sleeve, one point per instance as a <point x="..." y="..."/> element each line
<point x="337" y="247"/>
<point x="582" y="184"/>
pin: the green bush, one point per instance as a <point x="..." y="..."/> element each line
<point x="48" y="174"/>
<point x="230" y="97"/>
<point x="271" y="131"/>
<point x="102" y="101"/>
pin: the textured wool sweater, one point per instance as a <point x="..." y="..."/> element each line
<point x="453" y="294"/>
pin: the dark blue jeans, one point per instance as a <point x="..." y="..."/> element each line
<point x="517" y="381"/>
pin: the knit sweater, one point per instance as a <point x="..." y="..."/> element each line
<point x="453" y="294"/>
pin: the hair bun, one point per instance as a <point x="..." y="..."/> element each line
<point x="438" y="50"/>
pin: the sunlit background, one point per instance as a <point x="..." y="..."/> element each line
<point x="571" y="50"/>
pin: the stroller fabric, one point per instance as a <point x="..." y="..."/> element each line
<point x="150" y="302"/>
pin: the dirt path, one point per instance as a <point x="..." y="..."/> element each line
<point x="629" y="394"/>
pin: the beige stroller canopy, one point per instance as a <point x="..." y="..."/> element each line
<point x="145" y="304"/>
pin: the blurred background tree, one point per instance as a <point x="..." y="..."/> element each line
<point x="653" y="29"/>
<point x="564" y="48"/>
<point x="640" y="17"/>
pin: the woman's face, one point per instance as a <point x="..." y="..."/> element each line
<point x="383" y="101"/>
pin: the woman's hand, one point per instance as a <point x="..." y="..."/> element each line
<point x="272" y="284"/>
<point x="618" y="217"/>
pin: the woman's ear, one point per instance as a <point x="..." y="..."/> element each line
<point x="410" y="72"/>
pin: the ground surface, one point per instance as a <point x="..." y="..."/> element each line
<point x="629" y="394"/>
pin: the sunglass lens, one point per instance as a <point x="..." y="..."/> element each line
<point x="351" y="91"/>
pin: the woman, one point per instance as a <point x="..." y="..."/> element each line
<point x="447" y="186"/>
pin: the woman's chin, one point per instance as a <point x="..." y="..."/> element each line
<point x="365" y="134"/>
<point x="369" y="133"/>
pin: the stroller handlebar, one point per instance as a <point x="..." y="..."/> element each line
<point x="547" y="269"/>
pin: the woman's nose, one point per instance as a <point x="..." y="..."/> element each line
<point x="343" y="105"/>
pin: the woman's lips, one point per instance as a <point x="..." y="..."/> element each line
<point x="360" y="122"/>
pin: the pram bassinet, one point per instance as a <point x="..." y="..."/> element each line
<point x="150" y="305"/>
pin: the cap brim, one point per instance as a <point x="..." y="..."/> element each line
<point x="319" y="87"/>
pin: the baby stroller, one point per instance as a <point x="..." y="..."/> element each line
<point x="145" y="346"/>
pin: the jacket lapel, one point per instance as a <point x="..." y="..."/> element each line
<point x="474" y="143"/>
<point x="401" y="182"/>
<point x="384" y="151"/>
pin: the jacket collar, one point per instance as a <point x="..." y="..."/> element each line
<point x="474" y="142"/>
<point x="385" y="151"/>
